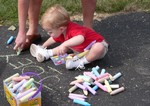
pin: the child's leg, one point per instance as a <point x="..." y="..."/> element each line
<point x="97" y="51"/>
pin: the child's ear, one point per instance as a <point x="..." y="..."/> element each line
<point x="62" y="28"/>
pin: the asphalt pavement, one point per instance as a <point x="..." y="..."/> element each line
<point x="129" y="37"/>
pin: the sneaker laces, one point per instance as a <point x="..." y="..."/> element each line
<point x="80" y="66"/>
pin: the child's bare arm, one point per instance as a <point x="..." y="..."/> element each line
<point x="73" y="41"/>
<point x="49" y="42"/>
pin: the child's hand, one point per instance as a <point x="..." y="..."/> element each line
<point x="61" y="50"/>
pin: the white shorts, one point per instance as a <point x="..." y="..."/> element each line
<point x="106" y="48"/>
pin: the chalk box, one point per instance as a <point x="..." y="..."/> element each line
<point x="13" y="101"/>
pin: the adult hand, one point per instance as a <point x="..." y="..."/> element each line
<point x="20" y="41"/>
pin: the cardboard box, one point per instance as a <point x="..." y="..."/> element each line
<point x="13" y="101"/>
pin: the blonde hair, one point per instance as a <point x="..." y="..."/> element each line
<point x="55" y="17"/>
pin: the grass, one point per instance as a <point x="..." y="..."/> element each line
<point x="8" y="8"/>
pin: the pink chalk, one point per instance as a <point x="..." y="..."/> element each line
<point x="20" y="78"/>
<point x="101" y="86"/>
<point x="90" y="75"/>
<point x="77" y="95"/>
<point x="80" y="86"/>
<point x="103" y="75"/>
<point x="90" y="89"/>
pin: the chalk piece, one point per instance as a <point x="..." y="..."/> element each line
<point x="10" y="40"/>
<point x="81" y="102"/>
<point x="28" y="83"/>
<point x="78" y="95"/>
<point x="80" y="86"/>
<point x="108" y="86"/>
<point x="10" y="78"/>
<point x="26" y="97"/>
<point x="101" y="86"/>
<point x="90" y="89"/>
<point x="85" y="92"/>
<point x="95" y="87"/>
<point x="103" y="79"/>
<point x="90" y="75"/>
<point x="16" y="86"/>
<point x="76" y="81"/>
<point x="25" y="93"/>
<point x="73" y="88"/>
<point x="117" y="91"/>
<point x="20" y="78"/>
<point x="103" y="71"/>
<point x="116" y="76"/>
<point x="114" y="86"/>
<point x="95" y="71"/>
<point x="75" y="97"/>
<point x="19" y="51"/>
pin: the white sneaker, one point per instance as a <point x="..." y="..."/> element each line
<point x="39" y="52"/>
<point x="70" y="64"/>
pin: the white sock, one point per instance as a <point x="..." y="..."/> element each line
<point x="50" y="52"/>
<point x="84" y="60"/>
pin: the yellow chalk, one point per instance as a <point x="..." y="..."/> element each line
<point x="82" y="54"/>
<point x="73" y="88"/>
<point x="108" y="86"/>
<point x="85" y="92"/>
<point x="26" y="97"/>
<point x="19" y="51"/>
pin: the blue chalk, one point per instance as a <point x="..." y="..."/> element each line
<point x="116" y="76"/>
<point x="103" y="71"/>
<point x="95" y="71"/>
<point x="81" y="102"/>
<point x="95" y="87"/>
<point x="9" y="41"/>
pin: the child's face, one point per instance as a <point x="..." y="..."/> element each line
<point x="55" y="32"/>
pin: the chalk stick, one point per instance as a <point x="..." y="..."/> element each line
<point x="95" y="87"/>
<point x="25" y="93"/>
<point x="10" y="78"/>
<point x="20" y="78"/>
<point x="95" y="71"/>
<point x="108" y="86"/>
<point x="117" y="91"/>
<point x="103" y="75"/>
<point x="75" y="97"/>
<point x="78" y="95"/>
<point x="102" y="71"/>
<point x="85" y="92"/>
<point x="81" y="102"/>
<point x="116" y="76"/>
<point x="82" y="54"/>
<point x="76" y="81"/>
<point x="101" y="86"/>
<point x="10" y="40"/>
<point x="19" y="51"/>
<point x="90" y="89"/>
<point x="80" y="86"/>
<point x="101" y="80"/>
<point x="114" y="86"/>
<point x="16" y="86"/>
<point x="26" y="97"/>
<point x="28" y="83"/>
<point x="90" y="45"/>
<point x="73" y="88"/>
<point x="90" y="75"/>
<point x="10" y="85"/>
<point x="85" y="78"/>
